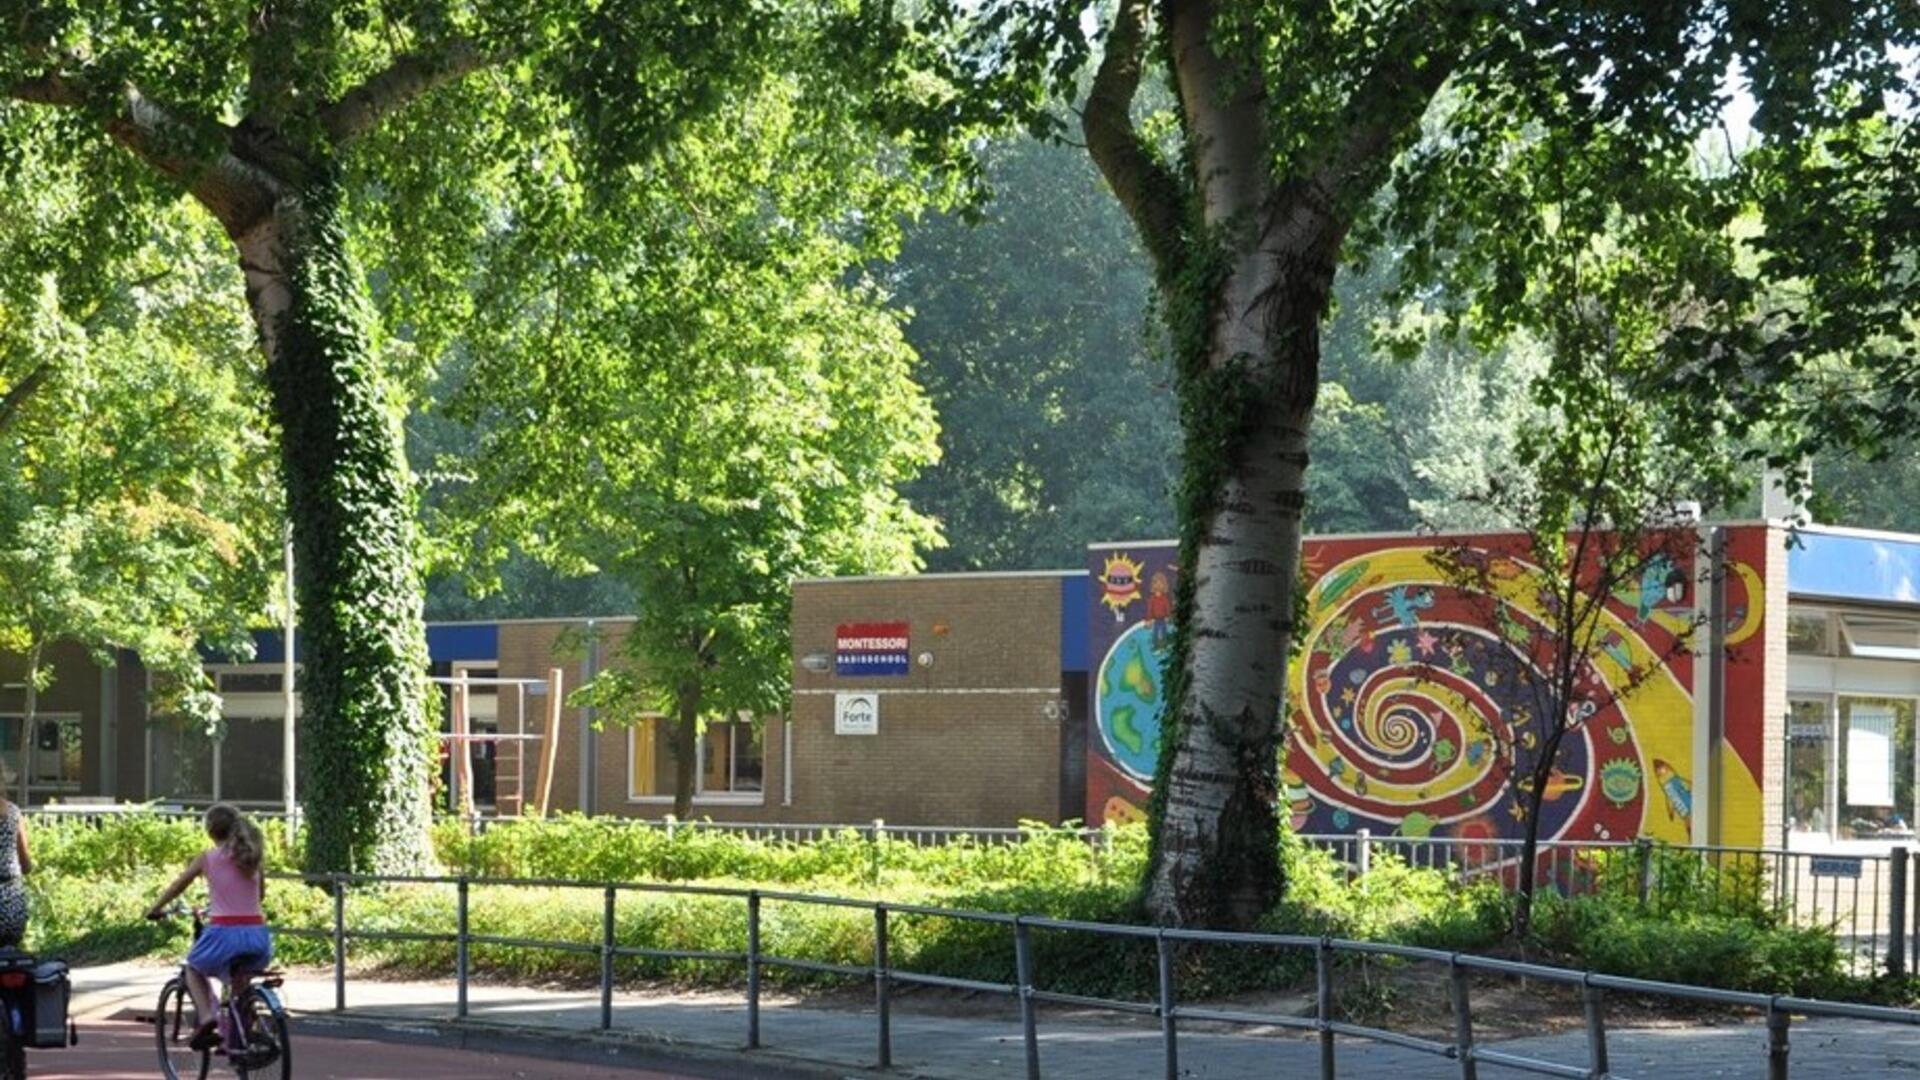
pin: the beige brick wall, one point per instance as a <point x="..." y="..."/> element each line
<point x="967" y="739"/>
<point x="1773" y="755"/>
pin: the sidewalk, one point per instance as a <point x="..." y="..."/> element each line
<point x="931" y="1039"/>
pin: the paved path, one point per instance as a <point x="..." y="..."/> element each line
<point x="934" y="1039"/>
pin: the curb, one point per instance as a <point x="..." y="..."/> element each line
<point x="627" y="1049"/>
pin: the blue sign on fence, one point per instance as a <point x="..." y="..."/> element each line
<point x="1836" y="866"/>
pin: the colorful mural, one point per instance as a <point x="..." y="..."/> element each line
<point x="1398" y="719"/>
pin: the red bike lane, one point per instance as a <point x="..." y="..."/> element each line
<point x="124" y="1050"/>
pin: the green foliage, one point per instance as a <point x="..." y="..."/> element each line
<point x="94" y="881"/>
<point x="136" y="489"/>
<point x="704" y="455"/>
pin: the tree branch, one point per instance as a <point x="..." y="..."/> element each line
<point x="1146" y="188"/>
<point x="410" y="76"/>
<point x="234" y="191"/>
<point x="17" y="395"/>
<point x="1382" y="112"/>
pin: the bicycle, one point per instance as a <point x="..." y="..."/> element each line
<point x="253" y="1024"/>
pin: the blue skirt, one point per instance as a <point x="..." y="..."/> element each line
<point x="221" y="949"/>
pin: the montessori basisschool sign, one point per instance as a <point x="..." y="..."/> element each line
<point x="862" y="649"/>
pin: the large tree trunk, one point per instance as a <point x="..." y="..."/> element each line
<point x="1216" y="861"/>
<point x="365" y="734"/>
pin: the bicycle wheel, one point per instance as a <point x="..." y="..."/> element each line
<point x="264" y="1053"/>
<point x="173" y="1032"/>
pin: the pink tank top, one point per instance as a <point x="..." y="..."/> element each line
<point x="231" y="890"/>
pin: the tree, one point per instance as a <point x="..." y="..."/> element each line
<point x="1032" y="324"/>
<point x="317" y="135"/>
<point x="707" y="403"/>
<point x="1605" y="547"/>
<point x="135" y="480"/>
<point x="1307" y="137"/>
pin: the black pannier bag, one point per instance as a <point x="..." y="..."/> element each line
<point x="39" y="991"/>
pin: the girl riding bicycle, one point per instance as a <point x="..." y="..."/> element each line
<point x="236" y="937"/>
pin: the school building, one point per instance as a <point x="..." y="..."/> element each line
<point x="1780" y="708"/>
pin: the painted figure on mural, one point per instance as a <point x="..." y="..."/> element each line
<point x="1160" y="610"/>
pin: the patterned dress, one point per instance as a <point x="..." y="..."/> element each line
<point x="13" y="890"/>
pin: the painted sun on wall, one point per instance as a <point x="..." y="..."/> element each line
<point x="1399" y="721"/>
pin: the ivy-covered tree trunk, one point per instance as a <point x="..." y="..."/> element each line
<point x="365" y="735"/>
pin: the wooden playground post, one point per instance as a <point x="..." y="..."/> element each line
<point x="549" y="742"/>
<point x="461" y="753"/>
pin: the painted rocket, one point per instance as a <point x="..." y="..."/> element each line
<point x="1678" y="792"/>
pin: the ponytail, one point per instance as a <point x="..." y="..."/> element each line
<point x="240" y="837"/>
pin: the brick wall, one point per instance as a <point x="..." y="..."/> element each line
<point x="970" y="738"/>
<point x="1773" y="778"/>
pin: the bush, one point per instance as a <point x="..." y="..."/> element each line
<point x="1704" y="925"/>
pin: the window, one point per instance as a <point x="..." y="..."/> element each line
<point x="182" y="759"/>
<point x="1809" y="633"/>
<point x="50" y="759"/>
<point x="250" y="758"/>
<point x="649" y="760"/>
<point x="1881" y="637"/>
<point x="1876" y="768"/>
<point x="251" y="682"/>
<point x="731" y="761"/>
<point x="1809" y="763"/>
<point x="56" y="753"/>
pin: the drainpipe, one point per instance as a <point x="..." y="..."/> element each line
<point x="1707" y="772"/>
<point x="589" y="745"/>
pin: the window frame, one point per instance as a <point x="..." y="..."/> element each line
<point x="701" y="796"/>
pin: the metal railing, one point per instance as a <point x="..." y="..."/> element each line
<point x="1463" y="1049"/>
<point x="1865" y="899"/>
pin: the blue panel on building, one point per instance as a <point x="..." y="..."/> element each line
<point x="445" y="644"/>
<point x="464" y="641"/>
<point x="1073" y="623"/>
<point x="1855" y="567"/>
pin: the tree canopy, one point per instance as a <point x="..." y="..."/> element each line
<point x="706" y="401"/>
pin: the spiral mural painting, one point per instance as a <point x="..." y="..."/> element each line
<point x="1407" y="703"/>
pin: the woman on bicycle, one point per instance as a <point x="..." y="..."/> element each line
<point x="15" y="864"/>
<point x="236" y="936"/>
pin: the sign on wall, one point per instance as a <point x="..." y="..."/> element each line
<point x="856" y="714"/>
<point x="866" y="649"/>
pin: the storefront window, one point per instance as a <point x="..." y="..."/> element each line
<point x="1809" y="763"/>
<point x="1876" y="768"/>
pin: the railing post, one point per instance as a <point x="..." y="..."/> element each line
<point x="1168" y="1036"/>
<point x="753" y="969"/>
<point x="339" y="944"/>
<point x="1323" y="1001"/>
<point x="606" y="959"/>
<point x="1593" y="1000"/>
<point x="1777" y="1023"/>
<point x="1897" y="916"/>
<point x="1643" y="869"/>
<point x="1363" y="851"/>
<point x="882" y="980"/>
<point x="1463" y="1020"/>
<point x="873" y="849"/>
<point x="673" y="826"/>
<point x="461" y="959"/>
<point x="1023" y="974"/>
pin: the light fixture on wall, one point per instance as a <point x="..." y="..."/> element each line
<point x="817" y="662"/>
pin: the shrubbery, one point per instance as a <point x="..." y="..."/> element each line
<point x="1701" y="926"/>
